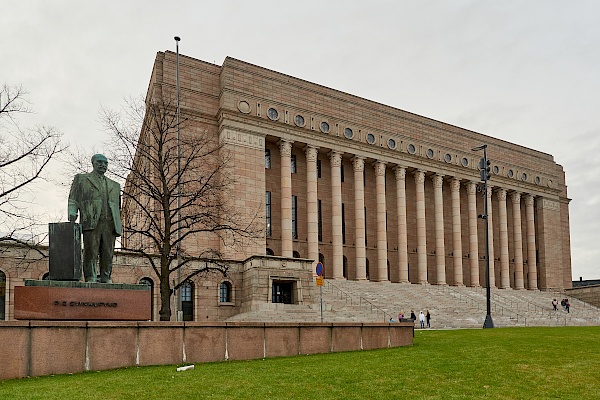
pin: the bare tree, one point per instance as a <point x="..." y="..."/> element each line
<point x="175" y="194"/>
<point x="24" y="157"/>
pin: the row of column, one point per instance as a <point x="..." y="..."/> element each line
<point x="382" y="261"/>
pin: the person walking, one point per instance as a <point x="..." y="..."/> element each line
<point x="555" y="304"/>
<point x="422" y="319"/>
<point x="428" y="317"/>
<point x="567" y="306"/>
<point x="412" y="315"/>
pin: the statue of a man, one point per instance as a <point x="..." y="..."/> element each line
<point x="98" y="201"/>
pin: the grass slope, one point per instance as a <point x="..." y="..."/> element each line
<point x="509" y="363"/>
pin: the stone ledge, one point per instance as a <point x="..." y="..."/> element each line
<point x="86" y="285"/>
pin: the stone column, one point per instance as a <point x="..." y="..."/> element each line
<point x="503" y="224"/>
<point x="421" y="227"/>
<point x="285" y="149"/>
<point x="311" y="204"/>
<point x="491" y="236"/>
<point x="382" y="274"/>
<point x="359" y="218"/>
<point x="440" y="252"/>
<point x="518" y="240"/>
<point x="531" y="253"/>
<point x="473" y="238"/>
<point x="336" y="215"/>
<point x="456" y="233"/>
<point x="402" y="238"/>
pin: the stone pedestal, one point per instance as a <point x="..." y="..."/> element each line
<point x="73" y="301"/>
<point x="64" y="262"/>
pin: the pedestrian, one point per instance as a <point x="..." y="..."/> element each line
<point x="562" y="303"/>
<point x="400" y="315"/>
<point x="412" y="315"/>
<point x="568" y="306"/>
<point x="391" y="320"/>
<point x="422" y="319"/>
<point x="555" y="304"/>
<point x="428" y="317"/>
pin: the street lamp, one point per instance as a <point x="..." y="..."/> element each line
<point x="484" y="171"/>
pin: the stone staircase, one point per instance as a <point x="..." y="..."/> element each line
<point x="450" y="306"/>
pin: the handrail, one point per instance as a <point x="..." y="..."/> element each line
<point x="386" y="316"/>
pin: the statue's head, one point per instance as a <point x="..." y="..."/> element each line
<point x="100" y="163"/>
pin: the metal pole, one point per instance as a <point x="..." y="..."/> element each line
<point x="321" y="290"/>
<point x="488" y="318"/>
<point x="178" y="247"/>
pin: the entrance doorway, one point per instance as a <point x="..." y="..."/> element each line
<point x="283" y="292"/>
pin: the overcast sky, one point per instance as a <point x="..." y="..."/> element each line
<point x="523" y="71"/>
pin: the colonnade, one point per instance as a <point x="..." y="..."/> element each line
<point x="420" y="175"/>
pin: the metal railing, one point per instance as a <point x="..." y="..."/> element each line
<point x="361" y="301"/>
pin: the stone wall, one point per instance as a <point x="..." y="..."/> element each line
<point x="589" y="294"/>
<point x="34" y="348"/>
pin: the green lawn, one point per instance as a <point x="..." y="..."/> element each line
<point x="508" y="363"/>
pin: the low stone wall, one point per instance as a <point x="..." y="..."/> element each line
<point x="33" y="348"/>
<point x="589" y="294"/>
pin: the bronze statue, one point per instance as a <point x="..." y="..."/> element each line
<point x="98" y="201"/>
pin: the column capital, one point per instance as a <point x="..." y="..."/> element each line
<point x="379" y="168"/>
<point x="501" y="193"/>
<point x="311" y="152"/>
<point x="335" y="157"/>
<point x="490" y="190"/>
<point x="529" y="199"/>
<point x="455" y="184"/>
<point x="400" y="171"/>
<point x="438" y="180"/>
<point x="515" y="197"/>
<point x="285" y="147"/>
<point x="419" y="176"/>
<point x="358" y="163"/>
<point x="471" y="187"/>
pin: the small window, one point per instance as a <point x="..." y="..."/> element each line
<point x="342" y="172"/>
<point x="225" y="292"/>
<point x="268" y="213"/>
<point x="272" y="114"/>
<point x="320" y="220"/>
<point x="430" y="153"/>
<point x="293" y="164"/>
<point x="365" y="226"/>
<point x="187" y="300"/>
<point x="391" y="144"/>
<point x="524" y="177"/>
<point x="510" y="173"/>
<point x="324" y="127"/>
<point x="464" y="162"/>
<point x="412" y="149"/>
<point x="299" y="120"/>
<point x="267" y="158"/>
<point x="295" y="254"/>
<point x="348" y="133"/>
<point x="269" y="252"/>
<point x="447" y="157"/>
<point x="496" y="169"/>
<point x="343" y="225"/>
<point x="318" y="168"/>
<point x="370" y="138"/>
<point x="295" y="217"/>
<point x="538" y="180"/>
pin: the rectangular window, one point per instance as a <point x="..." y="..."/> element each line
<point x="293" y="164"/>
<point x="342" y="172"/>
<point x="365" y="226"/>
<point x="320" y="219"/>
<point x="343" y="224"/>
<point x="295" y="217"/>
<point x="268" y="213"/>
<point x="318" y="168"/>
<point x="267" y="159"/>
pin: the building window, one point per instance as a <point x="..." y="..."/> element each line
<point x="269" y="252"/>
<point x="342" y="173"/>
<point x="367" y="268"/>
<point x="318" y="168"/>
<point x="320" y="220"/>
<point x="293" y="164"/>
<point x="268" y="213"/>
<point x="187" y="300"/>
<point x="365" y="226"/>
<point x="295" y="217"/>
<point x="345" y="268"/>
<point x="150" y="283"/>
<point x="225" y="292"/>
<point x="267" y="158"/>
<point x="343" y="224"/>
<point x="295" y="254"/>
<point x="2" y="295"/>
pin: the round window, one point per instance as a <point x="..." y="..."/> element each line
<point x="324" y="127"/>
<point x="272" y="114"/>
<point x="464" y="161"/>
<point x="391" y="144"/>
<point x="447" y="157"/>
<point x="370" y="138"/>
<point x="510" y="173"/>
<point x="299" y="120"/>
<point x="538" y="180"/>
<point x="412" y="149"/>
<point x="496" y="169"/>
<point x="430" y="153"/>
<point x="348" y="133"/>
<point x="244" y="107"/>
<point x="524" y="177"/>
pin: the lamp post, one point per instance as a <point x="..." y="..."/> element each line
<point x="178" y="247"/>
<point x="484" y="170"/>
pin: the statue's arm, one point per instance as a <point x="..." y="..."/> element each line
<point x="73" y="206"/>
